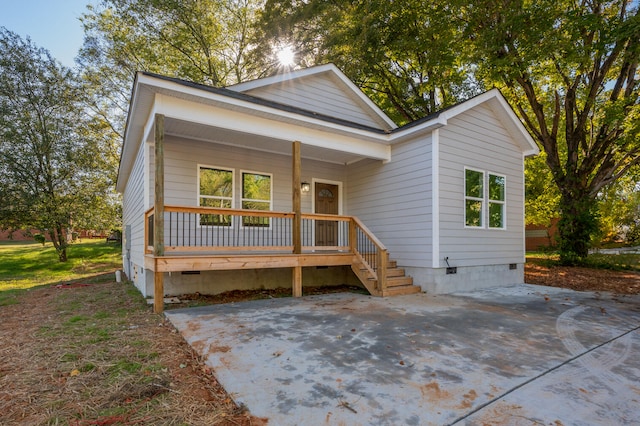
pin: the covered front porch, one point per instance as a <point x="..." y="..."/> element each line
<point x="181" y="238"/>
<point x="264" y="240"/>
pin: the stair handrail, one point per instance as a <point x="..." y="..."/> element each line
<point x="379" y="271"/>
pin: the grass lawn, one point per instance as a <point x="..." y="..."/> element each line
<point x="91" y="351"/>
<point x="25" y="264"/>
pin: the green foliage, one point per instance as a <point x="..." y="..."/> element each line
<point x="40" y="238"/>
<point x="210" y="41"/>
<point x="57" y="163"/>
<point x="571" y="72"/>
<point x="633" y="235"/>
<point x="542" y="197"/>
<point x="405" y="55"/>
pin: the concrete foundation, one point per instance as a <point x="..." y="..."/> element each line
<point x="466" y="278"/>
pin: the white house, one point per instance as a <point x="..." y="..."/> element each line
<point x="301" y="178"/>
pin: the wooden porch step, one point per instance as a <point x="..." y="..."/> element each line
<point x="399" y="281"/>
<point x="400" y="290"/>
<point x="395" y="272"/>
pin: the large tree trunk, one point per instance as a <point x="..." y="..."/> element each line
<point x="59" y="240"/>
<point x="577" y="223"/>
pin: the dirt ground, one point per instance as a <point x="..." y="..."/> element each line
<point x="94" y="354"/>
<point x="582" y="279"/>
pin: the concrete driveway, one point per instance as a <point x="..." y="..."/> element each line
<point x="521" y="355"/>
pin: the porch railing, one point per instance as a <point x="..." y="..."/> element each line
<point x="219" y="230"/>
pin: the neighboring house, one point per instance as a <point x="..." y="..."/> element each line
<point x="300" y="178"/>
<point x="541" y="237"/>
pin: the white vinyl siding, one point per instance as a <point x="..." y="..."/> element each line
<point x="394" y="200"/>
<point x="477" y="140"/>
<point x="320" y="95"/>
<point x="133" y="208"/>
<point x="182" y="157"/>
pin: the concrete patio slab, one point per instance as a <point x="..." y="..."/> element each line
<point x="520" y="355"/>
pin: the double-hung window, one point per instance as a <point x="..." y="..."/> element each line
<point x="215" y="190"/>
<point x="256" y="195"/>
<point x="484" y="198"/>
<point x="496" y="201"/>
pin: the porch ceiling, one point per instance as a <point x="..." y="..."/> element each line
<point x="202" y="132"/>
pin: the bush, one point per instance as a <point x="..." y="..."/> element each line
<point x="633" y="235"/>
<point x="40" y="238"/>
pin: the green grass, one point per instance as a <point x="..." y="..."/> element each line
<point x="25" y="265"/>
<point x="616" y="262"/>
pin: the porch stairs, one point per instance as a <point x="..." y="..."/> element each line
<point x="397" y="282"/>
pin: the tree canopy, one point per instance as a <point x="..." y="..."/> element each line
<point x="571" y="71"/>
<point x="56" y="160"/>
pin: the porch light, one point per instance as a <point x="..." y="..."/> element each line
<point x="305" y="187"/>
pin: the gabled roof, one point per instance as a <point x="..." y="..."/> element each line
<point x="325" y="76"/>
<point x="492" y="98"/>
<point x="267" y="120"/>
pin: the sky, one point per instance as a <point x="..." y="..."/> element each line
<point x="52" y="24"/>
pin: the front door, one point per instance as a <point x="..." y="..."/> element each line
<point x="326" y="203"/>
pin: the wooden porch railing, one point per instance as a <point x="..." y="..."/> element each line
<point x="191" y="230"/>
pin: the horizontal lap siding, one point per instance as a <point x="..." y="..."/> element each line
<point x="394" y="200"/>
<point x="476" y="139"/>
<point x="133" y="208"/>
<point x="183" y="156"/>
<point x="320" y="95"/>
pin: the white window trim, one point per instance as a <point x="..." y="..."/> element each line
<point x="502" y="202"/>
<point x="233" y="191"/>
<point x="485" y="200"/>
<point x="242" y="199"/>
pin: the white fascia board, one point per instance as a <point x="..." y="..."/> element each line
<point x="244" y="121"/>
<point x="289" y="76"/>
<point x="131" y="133"/>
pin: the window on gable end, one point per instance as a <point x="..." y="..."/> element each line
<point x="497" y="186"/>
<point x="473" y="198"/>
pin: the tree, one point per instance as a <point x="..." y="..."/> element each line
<point x="404" y="55"/>
<point x="571" y="71"/>
<point x="204" y="41"/>
<point x="55" y="160"/>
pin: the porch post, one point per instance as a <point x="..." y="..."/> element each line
<point x="297" y="203"/>
<point x="158" y="217"/>
<point x="297" y="218"/>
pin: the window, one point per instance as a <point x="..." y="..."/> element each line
<point x="496" y="201"/>
<point x="477" y="199"/>
<point x="473" y="198"/>
<point x="256" y="195"/>
<point x="215" y="190"/>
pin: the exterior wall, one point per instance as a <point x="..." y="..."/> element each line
<point x="133" y="216"/>
<point x="182" y="157"/>
<point x="394" y="200"/>
<point x="476" y="139"/>
<point x="321" y="95"/>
